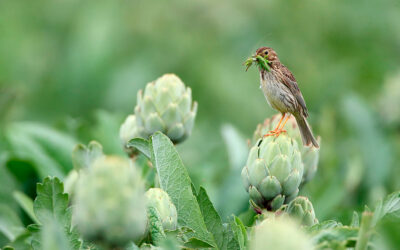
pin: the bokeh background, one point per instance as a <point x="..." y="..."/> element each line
<point x="70" y="70"/>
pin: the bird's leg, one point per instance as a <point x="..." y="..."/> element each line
<point x="273" y="132"/>
<point x="281" y="130"/>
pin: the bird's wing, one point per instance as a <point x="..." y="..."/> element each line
<point x="290" y="82"/>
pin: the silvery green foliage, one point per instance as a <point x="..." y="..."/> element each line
<point x="128" y="131"/>
<point x="109" y="202"/>
<point x="166" y="105"/>
<point x="279" y="233"/>
<point x="273" y="172"/>
<point x="302" y="209"/>
<point x="160" y="200"/>
<point x="309" y="154"/>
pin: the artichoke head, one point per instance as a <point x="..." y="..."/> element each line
<point x="302" y="209"/>
<point x="279" y="233"/>
<point x="166" y="105"/>
<point x="160" y="200"/>
<point x="273" y="172"/>
<point x="309" y="154"/>
<point x="109" y="202"/>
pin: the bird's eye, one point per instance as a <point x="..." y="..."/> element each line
<point x="266" y="52"/>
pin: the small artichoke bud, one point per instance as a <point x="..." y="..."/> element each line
<point x="302" y="209"/>
<point x="109" y="202"/>
<point x="309" y="154"/>
<point x="166" y="105"/>
<point x="279" y="233"/>
<point x="129" y="130"/>
<point x="70" y="182"/>
<point x="273" y="172"/>
<point x="160" y="200"/>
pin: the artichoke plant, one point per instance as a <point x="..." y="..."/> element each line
<point x="160" y="200"/>
<point x="279" y="233"/>
<point x="110" y="203"/>
<point x="165" y="105"/>
<point x="273" y="172"/>
<point x="309" y="155"/>
<point x="302" y="209"/>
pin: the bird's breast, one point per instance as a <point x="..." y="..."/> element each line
<point x="277" y="94"/>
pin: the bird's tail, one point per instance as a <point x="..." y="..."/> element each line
<point x="305" y="131"/>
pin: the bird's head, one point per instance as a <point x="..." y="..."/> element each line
<point x="263" y="58"/>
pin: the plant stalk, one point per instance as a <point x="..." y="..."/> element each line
<point x="365" y="231"/>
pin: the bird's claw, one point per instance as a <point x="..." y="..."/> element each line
<point x="275" y="133"/>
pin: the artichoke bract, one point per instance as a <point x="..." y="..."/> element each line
<point x="309" y="154"/>
<point x="280" y="233"/>
<point x="302" y="209"/>
<point x="160" y="200"/>
<point x="109" y="202"/>
<point x="273" y="172"/>
<point x="166" y="105"/>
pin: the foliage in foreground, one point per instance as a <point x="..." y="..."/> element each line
<point x="105" y="205"/>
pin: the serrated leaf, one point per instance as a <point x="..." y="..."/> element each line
<point x="175" y="180"/>
<point x="140" y="144"/>
<point x="345" y="235"/>
<point x="50" y="203"/>
<point x="26" y="204"/>
<point x="51" y="207"/>
<point x="155" y="226"/>
<point x="390" y="206"/>
<point x="211" y="217"/>
<point x="329" y="224"/>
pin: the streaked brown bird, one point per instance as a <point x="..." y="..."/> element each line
<point x="282" y="93"/>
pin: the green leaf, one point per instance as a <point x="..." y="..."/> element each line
<point x="51" y="208"/>
<point x="83" y="156"/>
<point x="211" y="217"/>
<point x="47" y="148"/>
<point x="51" y="202"/>
<point x="390" y="206"/>
<point x="10" y="225"/>
<point x="22" y="242"/>
<point x="240" y="234"/>
<point x="326" y="236"/>
<point x="155" y="226"/>
<point x="141" y="144"/>
<point x="26" y="204"/>
<point x="175" y="180"/>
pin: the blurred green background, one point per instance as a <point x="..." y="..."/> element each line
<point x="70" y="70"/>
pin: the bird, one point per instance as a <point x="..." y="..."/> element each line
<point x="282" y="92"/>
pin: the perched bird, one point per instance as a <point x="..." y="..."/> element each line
<point x="282" y="93"/>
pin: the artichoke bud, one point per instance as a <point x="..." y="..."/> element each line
<point x="109" y="202"/>
<point x="166" y="105"/>
<point x="273" y="172"/>
<point x="279" y="233"/>
<point x="129" y="130"/>
<point x="159" y="199"/>
<point x="309" y="154"/>
<point x="302" y="209"/>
